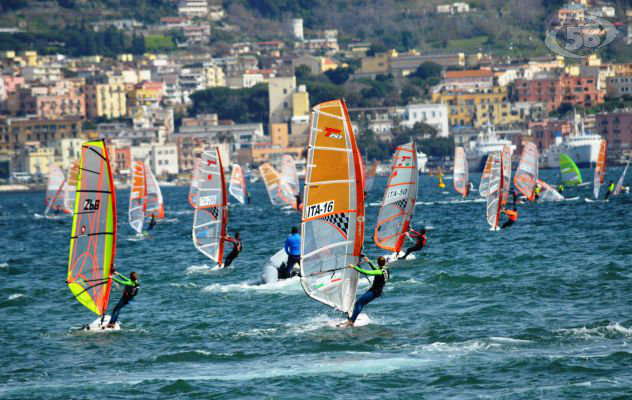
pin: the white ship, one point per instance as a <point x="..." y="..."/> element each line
<point x="580" y="145"/>
<point x="485" y="143"/>
<point x="422" y="160"/>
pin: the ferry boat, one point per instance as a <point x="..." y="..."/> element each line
<point x="580" y="145"/>
<point x="485" y="143"/>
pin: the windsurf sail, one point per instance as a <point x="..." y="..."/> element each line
<point x="495" y="190"/>
<point x="527" y="172"/>
<point x="237" y="187"/>
<point x="600" y="169"/>
<point x="154" y="205"/>
<point x="193" y="189"/>
<point x="619" y="186"/>
<point x="93" y="237"/>
<point x="398" y="203"/>
<point x="484" y="185"/>
<point x="137" y="197"/>
<point x="211" y="211"/>
<point x="547" y="193"/>
<point x="506" y="162"/>
<point x="570" y="173"/>
<point x="333" y="213"/>
<point x="460" y="179"/>
<point x="289" y="188"/>
<point x="55" y="191"/>
<point x="370" y="177"/>
<point x="71" y="185"/>
<point x="272" y="180"/>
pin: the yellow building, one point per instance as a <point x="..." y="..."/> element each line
<point x="36" y="158"/>
<point x="378" y="64"/>
<point x="300" y="102"/>
<point x="279" y="134"/>
<point x="106" y="97"/>
<point x="478" y="108"/>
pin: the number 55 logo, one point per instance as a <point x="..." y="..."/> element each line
<point x="588" y="35"/>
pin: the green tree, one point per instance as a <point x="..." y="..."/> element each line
<point x="340" y="75"/>
<point x="427" y="70"/>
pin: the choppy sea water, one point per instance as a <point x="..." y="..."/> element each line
<point x="541" y="310"/>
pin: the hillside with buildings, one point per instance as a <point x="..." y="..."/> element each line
<point x="200" y="72"/>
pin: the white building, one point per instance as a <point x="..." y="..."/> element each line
<point x="435" y="115"/>
<point x="161" y="158"/>
<point x="453" y="8"/>
<point x="67" y="150"/>
<point x="280" y="90"/>
<point x="618" y="86"/>
<point x="193" y="8"/>
<point x="295" y="28"/>
<point x="44" y="73"/>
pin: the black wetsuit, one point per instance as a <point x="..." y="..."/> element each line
<point x="237" y="247"/>
<point x="419" y="244"/>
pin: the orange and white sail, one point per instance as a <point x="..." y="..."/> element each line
<point x="600" y="169"/>
<point x="56" y="191"/>
<point x="272" y="180"/>
<point x="460" y="179"/>
<point x="237" y="186"/>
<point x="619" y="187"/>
<point x="71" y="185"/>
<point x="193" y="189"/>
<point x="333" y="212"/>
<point x="547" y="193"/>
<point x="211" y="209"/>
<point x="137" y="197"/>
<point x="506" y="161"/>
<point x="289" y="186"/>
<point x="484" y="185"/>
<point x="370" y="177"/>
<point x="93" y="237"/>
<point x="527" y="173"/>
<point x="399" y="199"/>
<point x="154" y="204"/>
<point x="495" y="189"/>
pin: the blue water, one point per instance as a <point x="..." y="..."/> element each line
<point x="541" y="310"/>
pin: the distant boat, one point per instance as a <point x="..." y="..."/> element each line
<point x="486" y="143"/>
<point x="580" y="145"/>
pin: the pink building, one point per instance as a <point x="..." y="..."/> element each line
<point x="62" y="98"/>
<point x="616" y="127"/>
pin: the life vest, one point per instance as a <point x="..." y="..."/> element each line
<point x="513" y="215"/>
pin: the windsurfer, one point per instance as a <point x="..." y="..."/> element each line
<point x="293" y="250"/>
<point x="610" y="190"/>
<point x="560" y="188"/>
<point x="130" y="290"/>
<point x="380" y="274"/>
<point x="299" y="201"/>
<point x="536" y="193"/>
<point x="152" y="223"/>
<point x="237" y="247"/>
<point x="467" y="190"/>
<point x="513" y="217"/>
<point x="420" y="241"/>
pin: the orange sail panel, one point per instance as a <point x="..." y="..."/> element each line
<point x="193" y="189"/>
<point x="272" y="180"/>
<point x="137" y="197"/>
<point x="154" y="205"/>
<point x="211" y="211"/>
<point x="495" y="190"/>
<point x="527" y="172"/>
<point x="460" y="178"/>
<point x="399" y="199"/>
<point x="484" y="185"/>
<point x="600" y="169"/>
<point x="333" y="213"/>
<point x="237" y="187"/>
<point x="93" y="237"/>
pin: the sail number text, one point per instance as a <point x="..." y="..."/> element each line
<point x="207" y="201"/>
<point x="91" y="205"/>
<point x="319" y="209"/>
<point x="394" y="193"/>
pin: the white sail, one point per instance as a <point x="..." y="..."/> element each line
<point x="547" y="193"/>
<point x="55" y="191"/>
<point x="211" y="211"/>
<point x="484" y="185"/>
<point x="619" y="187"/>
<point x="506" y="161"/>
<point x="527" y="172"/>
<point x="495" y="190"/>
<point x="399" y="199"/>
<point x="237" y="187"/>
<point x="333" y="212"/>
<point x="461" y="176"/>
<point x="137" y="196"/>
<point x="289" y="180"/>
<point x="193" y="189"/>
<point x="154" y="205"/>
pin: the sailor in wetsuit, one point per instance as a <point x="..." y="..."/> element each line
<point x="237" y="247"/>
<point x="380" y="276"/>
<point x="129" y="292"/>
<point x="152" y="223"/>
<point x="610" y="190"/>
<point x="536" y="193"/>
<point x="420" y="241"/>
<point x="513" y="217"/>
<point x="293" y="250"/>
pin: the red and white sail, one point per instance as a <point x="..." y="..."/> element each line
<point x="527" y="172"/>
<point x="154" y="205"/>
<point x="619" y="187"/>
<point x="399" y="199"/>
<point x="237" y="185"/>
<point x="600" y="169"/>
<point x="506" y="161"/>
<point x="289" y="186"/>
<point x="484" y="185"/>
<point x="495" y="190"/>
<point x="137" y="197"/>
<point x="56" y="191"/>
<point x="461" y="176"/>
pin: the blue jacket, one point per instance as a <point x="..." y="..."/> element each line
<point x="293" y="245"/>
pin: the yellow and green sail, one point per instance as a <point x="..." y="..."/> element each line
<point x="570" y="173"/>
<point x="93" y="237"/>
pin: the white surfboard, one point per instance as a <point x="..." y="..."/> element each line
<point x="362" y="320"/>
<point x="97" y="326"/>
<point x="395" y="256"/>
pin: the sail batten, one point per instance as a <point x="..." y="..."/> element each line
<point x="211" y="211"/>
<point x="93" y="236"/>
<point x="333" y="214"/>
<point x="527" y="172"/>
<point x="399" y="199"/>
<point x="600" y="169"/>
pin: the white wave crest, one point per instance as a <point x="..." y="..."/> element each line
<point x="597" y="332"/>
<point x="16" y="296"/>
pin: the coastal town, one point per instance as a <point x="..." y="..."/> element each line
<point x="166" y="107"/>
